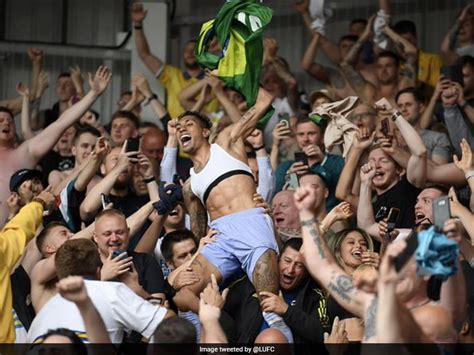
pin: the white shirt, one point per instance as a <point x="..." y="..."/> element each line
<point x="120" y="308"/>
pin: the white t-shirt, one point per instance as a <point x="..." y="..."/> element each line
<point x="120" y="308"/>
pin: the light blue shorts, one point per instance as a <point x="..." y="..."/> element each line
<point x="242" y="238"/>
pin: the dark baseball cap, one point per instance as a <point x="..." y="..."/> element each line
<point x="22" y="175"/>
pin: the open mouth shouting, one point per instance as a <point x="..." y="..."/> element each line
<point x="185" y="139"/>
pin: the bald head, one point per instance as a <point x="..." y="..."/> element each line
<point x="153" y="142"/>
<point x="271" y="336"/>
<point x="436" y="323"/>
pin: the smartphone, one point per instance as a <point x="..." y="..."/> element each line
<point x="391" y="221"/>
<point x="441" y="211"/>
<point x="105" y="200"/>
<point x="118" y="252"/>
<point x="453" y="73"/>
<point x="294" y="182"/>
<point x="301" y="157"/>
<point x="133" y="144"/>
<point x="385" y="129"/>
<point x="406" y="254"/>
<point x="284" y="117"/>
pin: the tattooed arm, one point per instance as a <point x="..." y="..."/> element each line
<point x="245" y="126"/>
<point x="196" y="211"/>
<point x="365" y="90"/>
<point x="321" y="263"/>
<point x="410" y="53"/>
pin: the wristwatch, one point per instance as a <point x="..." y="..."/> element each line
<point x="151" y="98"/>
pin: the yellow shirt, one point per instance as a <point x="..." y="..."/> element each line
<point x="429" y="66"/>
<point x="174" y="81"/>
<point x="13" y="239"/>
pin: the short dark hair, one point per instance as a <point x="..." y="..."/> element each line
<point x="405" y="26"/>
<point x="83" y="129"/>
<point x="389" y="54"/>
<point x="441" y="188"/>
<point x="306" y="119"/>
<point x="466" y="60"/>
<point x="77" y="257"/>
<point x="170" y="239"/>
<point x="351" y="38"/>
<point x="175" y="330"/>
<point x="128" y="115"/>
<point x="7" y="110"/>
<point x="417" y="94"/>
<point x="358" y="20"/>
<point x="77" y="345"/>
<point x="202" y="118"/>
<point x="293" y="243"/>
<point x="40" y="239"/>
<point x="64" y="74"/>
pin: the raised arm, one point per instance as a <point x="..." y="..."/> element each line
<point x="188" y="97"/>
<point x="92" y="203"/>
<point x="245" y="126"/>
<point x="168" y="163"/>
<point x="73" y="289"/>
<point x="362" y="141"/>
<point x="149" y="239"/>
<point x="365" y="212"/>
<point x="450" y="41"/>
<point x="26" y="131"/>
<point x="321" y="263"/>
<point x="138" y="14"/>
<point x="364" y="89"/>
<point x="427" y="116"/>
<point x="408" y="74"/>
<point x="316" y="70"/>
<point x="141" y="83"/>
<point x="77" y="80"/>
<point x="38" y="146"/>
<point x="417" y="163"/>
<point x="229" y="107"/>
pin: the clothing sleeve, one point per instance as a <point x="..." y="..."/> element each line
<point x="134" y="313"/>
<point x="266" y="179"/>
<point x="457" y="128"/>
<point x="153" y="281"/>
<point x="18" y="232"/>
<point x="167" y="74"/>
<point x="442" y="146"/>
<point x="71" y="200"/>
<point x="280" y="175"/>
<point x="304" y="325"/>
<point x="164" y="121"/>
<point x="168" y="164"/>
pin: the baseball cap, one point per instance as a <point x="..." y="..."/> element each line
<point x="319" y="93"/>
<point x="22" y="175"/>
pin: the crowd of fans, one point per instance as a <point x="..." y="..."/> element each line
<point x="326" y="225"/>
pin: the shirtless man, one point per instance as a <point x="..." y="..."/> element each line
<point x="222" y="183"/>
<point x="31" y="151"/>
<point x="84" y="142"/>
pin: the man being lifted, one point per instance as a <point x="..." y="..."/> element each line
<point x="222" y="183"/>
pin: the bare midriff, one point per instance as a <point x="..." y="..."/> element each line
<point x="232" y="195"/>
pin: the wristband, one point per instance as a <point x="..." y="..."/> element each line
<point x="36" y="199"/>
<point x="258" y="148"/>
<point x="138" y="27"/>
<point x="395" y="115"/>
<point x="469" y="174"/>
<point x="151" y="98"/>
<point x="148" y="180"/>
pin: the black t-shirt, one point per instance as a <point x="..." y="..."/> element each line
<point x="130" y="203"/>
<point x="402" y="196"/>
<point x="21" y="291"/>
<point x="54" y="161"/>
<point x="149" y="272"/>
